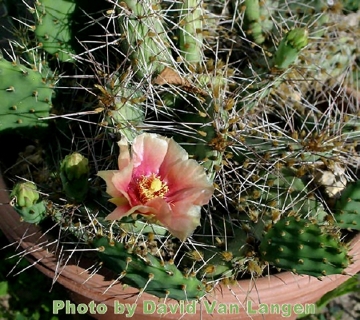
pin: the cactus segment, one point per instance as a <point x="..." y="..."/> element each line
<point x="53" y="27"/>
<point x="127" y="114"/>
<point x="26" y="201"/>
<point x="25" y="95"/>
<point x="147" y="272"/>
<point x="303" y="247"/>
<point x="350" y="5"/>
<point x="291" y="193"/>
<point x="251" y="20"/>
<point x="190" y="31"/>
<point x="290" y="47"/>
<point x="347" y="207"/>
<point x="145" y="39"/>
<point x="312" y="13"/>
<point x="257" y="18"/>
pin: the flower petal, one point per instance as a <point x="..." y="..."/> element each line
<point x="175" y="153"/>
<point x="120" y="211"/>
<point x="148" y="152"/>
<point x="181" y="223"/>
<point x="126" y="210"/>
<point x="121" y="179"/>
<point x="124" y="156"/>
<point x="192" y="183"/>
<point x="110" y="188"/>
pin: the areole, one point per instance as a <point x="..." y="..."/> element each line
<point x="103" y="298"/>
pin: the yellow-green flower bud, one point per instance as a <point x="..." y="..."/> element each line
<point x="74" y="166"/>
<point x="74" y="172"/>
<point x="26" y="201"/>
<point x="25" y="194"/>
<point x="290" y="47"/>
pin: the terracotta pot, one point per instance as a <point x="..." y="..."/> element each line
<point x="281" y="289"/>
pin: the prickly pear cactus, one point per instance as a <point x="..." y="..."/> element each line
<point x="126" y="113"/>
<point x="257" y="92"/>
<point x="25" y="94"/>
<point x="53" y="27"/>
<point x="290" y="47"/>
<point x="302" y="246"/>
<point x="147" y="272"/>
<point x="347" y="207"/>
<point x="145" y="38"/>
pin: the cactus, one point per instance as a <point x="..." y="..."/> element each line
<point x="26" y="96"/>
<point x="303" y="247"/>
<point x="53" y="27"/>
<point x="257" y="18"/>
<point x="346" y="209"/>
<point x="290" y="47"/>
<point x="126" y="111"/>
<point x="147" y="272"/>
<point x="26" y="201"/>
<point x="145" y="41"/>
<point x="190" y="31"/>
<point x="244" y="99"/>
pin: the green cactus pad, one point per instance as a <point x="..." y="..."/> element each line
<point x="127" y="114"/>
<point x="147" y="272"/>
<point x="303" y="247"/>
<point x="347" y="207"/>
<point x="190" y="32"/>
<point x="53" y="27"/>
<point x="144" y="37"/>
<point x="25" y="95"/>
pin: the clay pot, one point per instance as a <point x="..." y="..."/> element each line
<point x="281" y="289"/>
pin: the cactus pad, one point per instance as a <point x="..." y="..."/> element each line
<point x="347" y="207"/>
<point x="148" y="273"/>
<point x="303" y="247"/>
<point x="25" y="95"/>
<point x="53" y="27"/>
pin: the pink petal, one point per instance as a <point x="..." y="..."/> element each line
<point x="148" y="151"/>
<point x="122" y="209"/>
<point x="124" y="156"/>
<point x="121" y="180"/>
<point x="127" y="210"/>
<point x="192" y="183"/>
<point x="180" y="224"/>
<point x="110" y="188"/>
<point x="175" y="153"/>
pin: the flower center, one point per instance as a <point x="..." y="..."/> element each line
<point x="151" y="187"/>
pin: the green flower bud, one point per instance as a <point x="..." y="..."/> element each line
<point x="74" y="166"/>
<point x="289" y="48"/>
<point x="25" y="194"/>
<point x="297" y="38"/>
<point x="74" y="172"/>
<point x="25" y="200"/>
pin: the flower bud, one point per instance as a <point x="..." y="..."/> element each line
<point x="290" y="47"/>
<point x="25" y="194"/>
<point x="74" y="166"/>
<point x="74" y="172"/>
<point x="26" y="201"/>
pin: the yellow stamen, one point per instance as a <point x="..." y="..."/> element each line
<point x="151" y="187"/>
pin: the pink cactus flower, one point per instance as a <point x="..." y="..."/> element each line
<point x="158" y="180"/>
